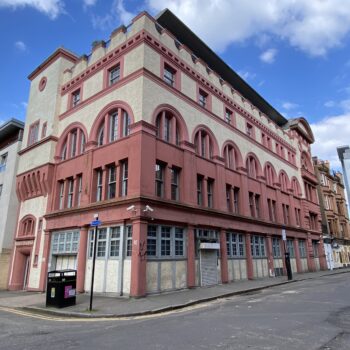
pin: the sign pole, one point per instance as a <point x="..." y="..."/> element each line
<point x="94" y="223"/>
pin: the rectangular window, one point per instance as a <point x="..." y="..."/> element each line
<point x="159" y="172"/>
<point x="43" y="130"/>
<point x="73" y="143"/>
<point x="165" y="244"/>
<point x="65" y="242"/>
<point x="285" y="210"/>
<point x="257" y="205"/>
<point x="3" y="160"/>
<point x="61" y="195"/>
<point x="112" y="181"/>
<point x="1" y="189"/>
<point x="313" y="221"/>
<point x="249" y="130"/>
<point x="302" y="248"/>
<point x="202" y="98"/>
<point x="236" y="200"/>
<point x="210" y="189"/>
<point x="80" y="189"/>
<point x="179" y="242"/>
<point x="175" y="183"/>
<point x="290" y="248"/>
<point x="115" y="241"/>
<point x="297" y="216"/>
<point x="257" y="246"/>
<point x="235" y="245"/>
<point x="33" y="133"/>
<point x="199" y="190"/>
<point x="272" y="209"/>
<point x="126" y="124"/>
<point x="70" y="193"/>
<point x="169" y="75"/>
<point x="128" y="240"/>
<point x="228" y="197"/>
<point x="114" y="74"/>
<point x="99" y="186"/>
<point x="75" y="98"/>
<point x="228" y="116"/>
<point x="251" y="204"/>
<point x="113" y="126"/>
<point x="152" y="240"/>
<point x="101" y="242"/>
<point x="276" y="247"/>
<point x="124" y="177"/>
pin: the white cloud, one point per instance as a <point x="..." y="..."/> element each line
<point x="89" y="2"/>
<point x="51" y="8"/>
<point x="289" y="105"/>
<point x="329" y="104"/>
<point x="117" y="15"/>
<point x="268" y="56"/>
<point x="20" y="45"/>
<point x="330" y="133"/>
<point x="313" y="26"/>
<point x="246" y="75"/>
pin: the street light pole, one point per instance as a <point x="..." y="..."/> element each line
<point x="95" y="223"/>
<point x="287" y="256"/>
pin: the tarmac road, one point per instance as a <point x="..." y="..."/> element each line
<point x="312" y="314"/>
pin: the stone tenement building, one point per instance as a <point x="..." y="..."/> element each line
<point x="193" y="174"/>
<point x="334" y="213"/>
<point x="11" y="134"/>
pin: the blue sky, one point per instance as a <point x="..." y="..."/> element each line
<point x="295" y="53"/>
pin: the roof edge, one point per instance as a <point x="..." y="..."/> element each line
<point x="60" y="52"/>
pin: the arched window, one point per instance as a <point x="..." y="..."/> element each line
<point x="284" y="182"/>
<point x="251" y="167"/>
<point x="115" y="125"/>
<point x="295" y="187"/>
<point x="230" y="156"/>
<point x="269" y="175"/>
<point x="168" y="127"/>
<point x="204" y="144"/>
<point x="26" y="227"/>
<point x="74" y="144"/>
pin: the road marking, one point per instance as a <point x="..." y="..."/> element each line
<point x="99" y="319"/>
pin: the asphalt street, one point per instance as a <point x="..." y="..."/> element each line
<point x="312" y="314"/>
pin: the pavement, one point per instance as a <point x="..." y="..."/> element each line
<point x="123" y="307"/>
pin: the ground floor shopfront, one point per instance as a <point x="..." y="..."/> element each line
<point x="143" y="254"/>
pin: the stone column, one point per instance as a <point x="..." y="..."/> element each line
<point x="81" y="259"/>
<point x="191" y="260"/>
<point x="270" y="255"/>
<point x="223" y="249"/>
<point x="138" y="283"/>
<point x="250" y="270"/>
<point x="297" y="255"/>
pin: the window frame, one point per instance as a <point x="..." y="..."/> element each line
<point x="165" y="241"/>
<point x="235" y="243"/>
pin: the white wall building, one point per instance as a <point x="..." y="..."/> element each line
<point x="11" y="134"/>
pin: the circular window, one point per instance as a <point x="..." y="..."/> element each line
<point x="42" y="83"/>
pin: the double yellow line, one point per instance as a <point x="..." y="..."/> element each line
<point x="97" y="319"/>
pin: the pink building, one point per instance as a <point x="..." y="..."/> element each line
<point x="193" y="174"/>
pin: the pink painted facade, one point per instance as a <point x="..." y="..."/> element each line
<point x="188" y="195"/>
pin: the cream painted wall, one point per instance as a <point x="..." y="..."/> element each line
<point x="8" y="199"/>
<point x="92" y="86"/>
<point x="130" y="93"/>
<point x="154" y="95"/>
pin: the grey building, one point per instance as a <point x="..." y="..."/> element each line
<point x="11" y="134"/>
<point x="344" y="157"/>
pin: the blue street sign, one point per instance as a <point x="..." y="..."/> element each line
<point x="95" y="223"/>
